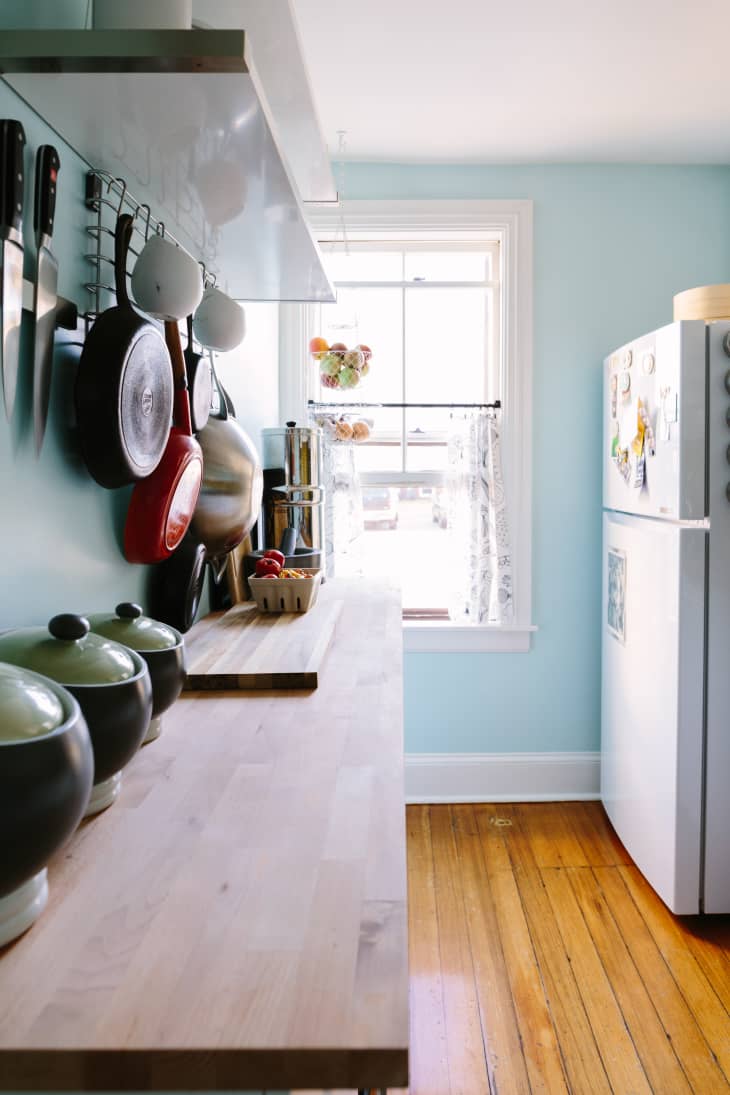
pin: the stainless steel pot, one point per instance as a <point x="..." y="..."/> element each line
<point x="296" y="449"/>
<point x="230" y="496"/>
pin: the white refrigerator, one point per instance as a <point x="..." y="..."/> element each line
<point x="665" y="695"/>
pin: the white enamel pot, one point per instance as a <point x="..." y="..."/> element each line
<point x="220" y="322"/>
<point x="166" y="281"/>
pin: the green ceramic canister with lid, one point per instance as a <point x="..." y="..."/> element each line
<point x="110" y="682"/>
<point x="161" y="646"/>
<point x="46" y="774"/>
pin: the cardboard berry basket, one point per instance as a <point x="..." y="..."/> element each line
<point x="286" y="594"/>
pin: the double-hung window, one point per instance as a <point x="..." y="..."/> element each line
<point x="433" y="289"/>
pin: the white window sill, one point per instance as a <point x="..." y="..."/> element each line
<point x="437" y="637"/>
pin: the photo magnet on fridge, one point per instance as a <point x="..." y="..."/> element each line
<point x="616" y="610"/>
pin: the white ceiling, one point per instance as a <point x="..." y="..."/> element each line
<point x="522" y="80"/>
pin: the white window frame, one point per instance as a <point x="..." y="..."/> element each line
<point x="511" y="223"/>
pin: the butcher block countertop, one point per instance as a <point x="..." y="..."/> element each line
<point x="237" y="919"/>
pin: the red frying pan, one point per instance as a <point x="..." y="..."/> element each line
<point x="162" y="505"/>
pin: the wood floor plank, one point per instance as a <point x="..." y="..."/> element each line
<point x="539" y="1040"/>
<point x="588" y="821"/>
<point x="493" y="822"/>
<point x="428" y="1050"/>
<point x="538" y="1035"/>
<point x="655" y="1050"/>
<point x="686" y="1037"/>
<point x="620" y="1059"/>
<point x="552" y="839"/>
<point x="708" y="937"/>
<point x="505" y="1060"/>
<point x="685" y="989"/>
<point x="467" y="1062"/>
<point x="581" y="1058"/>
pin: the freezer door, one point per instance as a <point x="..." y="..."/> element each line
<point x="663" y="374"/>
<point x="717" y="797"/>
<point x="652" y="699"/>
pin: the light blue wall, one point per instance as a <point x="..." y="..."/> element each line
<point x="67" y="14"/>
<point x="612" y="244"/>
<point x="60" y="545"/>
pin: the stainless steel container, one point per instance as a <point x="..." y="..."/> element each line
<point x="296" y="449"/>
<point x="301" y="508"/>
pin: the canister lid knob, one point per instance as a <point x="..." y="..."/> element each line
<point x="68" y="627"/>
<point x="128" y="611"/>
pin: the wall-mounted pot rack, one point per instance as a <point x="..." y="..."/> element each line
<point x="108" y="197"/>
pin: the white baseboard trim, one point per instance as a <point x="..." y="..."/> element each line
<point x="501" y="777"/>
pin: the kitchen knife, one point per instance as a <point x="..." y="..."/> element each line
<point x="12" y="146"/>
<point x="47" y="166"/>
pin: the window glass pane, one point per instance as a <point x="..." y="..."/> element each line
<point x="383" y="452"/>
<point x="426" y="437"/>
<point x="363" y="265"/>
<point x="446" y="352"/>
<point x="375" y="319"/>
<point x="405" y="537"/>
<point x="446" y="266"/>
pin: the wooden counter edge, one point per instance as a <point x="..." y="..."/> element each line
<point x="202" y="1070"/>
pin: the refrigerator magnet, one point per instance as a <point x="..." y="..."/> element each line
<point x="625" y="384"/>
<point x="616" y="605"/>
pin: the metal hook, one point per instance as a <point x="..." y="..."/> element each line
<point x="160" y="230"/>
<point x="144" y="205"/>
<point x="121" y="199"/>
<point x="201" y="264"/>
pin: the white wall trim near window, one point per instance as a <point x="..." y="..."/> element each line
<point x="435" y="637"/>
<point x="509" y="221"/>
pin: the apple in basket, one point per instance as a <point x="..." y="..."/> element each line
<point x="318" y="347"/>
<point x="267" y="568"/>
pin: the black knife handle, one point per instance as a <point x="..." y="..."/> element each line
<point x="47" y="166"/>
<point x="13" y="174"/>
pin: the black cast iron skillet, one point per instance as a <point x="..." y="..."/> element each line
<point x="124" y="385"/>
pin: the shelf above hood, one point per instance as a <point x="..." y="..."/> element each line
<point x="179" y="114"/>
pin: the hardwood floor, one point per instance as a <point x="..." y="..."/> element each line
<point x="541" y="961"/>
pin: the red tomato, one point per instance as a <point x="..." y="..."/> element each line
<point x="272" y="553"/>
<point x="267" y="568"/>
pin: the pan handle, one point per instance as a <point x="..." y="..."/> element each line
<point x="182" y="403"/>
<point x="122" y="240"/>
<point x="223" y="403"/>
<point x="218" y="567"/>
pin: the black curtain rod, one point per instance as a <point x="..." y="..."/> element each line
<point x="406" y="406"/>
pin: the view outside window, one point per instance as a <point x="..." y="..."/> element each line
<point x="430" y="315"/>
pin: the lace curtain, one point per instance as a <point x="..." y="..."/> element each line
<point x="481" y="562"/>
<point x="343" y="508"/>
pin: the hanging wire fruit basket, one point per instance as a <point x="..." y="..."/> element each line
<point x="340" y="368"/>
